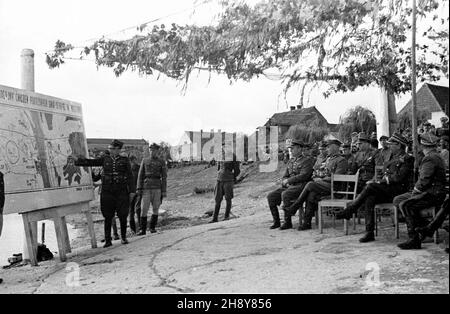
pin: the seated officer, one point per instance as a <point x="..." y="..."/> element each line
<point x="313" y="191"/>
<point x="429" y="190"/>
<point x="298" y="173"/>
<point x="384" y="153"/>
<point x="394" y="182"/>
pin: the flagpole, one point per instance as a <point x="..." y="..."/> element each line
<point x="413" y="87"/>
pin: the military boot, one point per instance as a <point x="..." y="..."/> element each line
<point x="368" y="237"/>
<point x="287" y="222"/>
<point x="412" y="244"/>
<point x="276" y="217"/>
<point x="153" y="223"/>
<point x="143" y="226"/>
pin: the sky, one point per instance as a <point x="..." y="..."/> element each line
<point x="133" y="106"/>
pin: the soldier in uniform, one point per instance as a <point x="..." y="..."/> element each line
<point x="135" y="202"/>
<point x="429" y="190"/>
<point x="117" y="187"/>
<point x="364" y="161"/>
<point x="321" y="159"/>
<point x="313" y="191"/>
<point x="394" y="182"/>
<point x="228" y="171"/>
<point x="384" y="153"/>
<point x="298" y="173"/>
<point x="348" y="155"/>
<point x="152" y="185"/>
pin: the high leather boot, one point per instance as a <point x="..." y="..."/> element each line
<point x="143" y="226"/>
<point x="216" y="214"/>
<point x="368" y="237"/>
<point x="123" y="229"/>
<point x="287" y="221"/>
<point x="153" y="223"/>
<point x="309" y="213"/>
<point x="434" y="225"/>
<point x="227" y="210"/>
<point x="413" y="242"/>
<point x="276" y="217"/>
<point x="107" y="226"/>
<point x="352" y="207"/>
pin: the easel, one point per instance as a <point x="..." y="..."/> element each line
<point x="58" y="215"/>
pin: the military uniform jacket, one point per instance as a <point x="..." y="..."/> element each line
<point x="299" y="170"/>
<point x="351" y="163"/>
<point x="431" y="175"/>
<point x="365" y="163"/>
<point x="398" y="171"/>
<point x="116" y="172"/>
<point x="335" y="164"/>
<point x="2" y="193"/>
<point x="228" y="171"/>
<point x="152" y="174"/>
<point x="382" y="156"/>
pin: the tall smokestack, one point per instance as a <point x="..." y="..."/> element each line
<point x="27" y="69"/>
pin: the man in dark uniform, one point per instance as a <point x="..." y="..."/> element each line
<point x="117" y="187"/>
<point x="135" y="202"/>
<point x="2" y="204"/>
<point x="348" y="155"/>
<point x="364" y="161"/>
<point x="394" y="182"/>
<point x="313" y="191"/>
<point x="384" y="153"/>
<point x="298" y="172"/>
<point x="321" y="159"/>
<point x="429" y="190"/>
<point x="152" y="186"/>
<point x="228" y="171"/>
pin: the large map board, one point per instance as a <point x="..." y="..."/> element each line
<point x="37" y="135"/>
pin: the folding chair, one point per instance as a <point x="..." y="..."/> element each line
<point x="340" y="202"/>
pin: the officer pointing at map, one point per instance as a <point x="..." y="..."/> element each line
<point x="117" y="187"/>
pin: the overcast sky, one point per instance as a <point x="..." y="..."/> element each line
<point x="142" y="107"/>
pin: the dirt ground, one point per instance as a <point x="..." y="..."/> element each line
<point x="236" y="256"/>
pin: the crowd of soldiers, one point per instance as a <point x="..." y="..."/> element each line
<point x="386" y="175"/>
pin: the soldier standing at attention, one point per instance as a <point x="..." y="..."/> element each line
<point x="429" y="191"/>
<point x="298" y="172"/>
<point x="135" y="202"/>
<point x="313" y="191"/>
<point x="384" y="153"/>
<point x="347" y="154"/>
<point x="152" y="185"/>
<point x="394" y="182"/>
<point x="228" y="171"/>
<point x="364" y="161"/>
<point x="117" y="187"/>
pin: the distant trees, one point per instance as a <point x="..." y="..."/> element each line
<point x="358" y="119"/>
<point x="404" y="119"/>
<point x="165" y="151"/>
<point x="307" y="134"/>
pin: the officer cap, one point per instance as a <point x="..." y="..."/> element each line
<point x="297" y="142"/>
<point x="362" y="137"/>
<point x="334" y="141"/>
<point x="154" y="146"/>
<point x="429" y="139"/>
<point x="346" y="145"/>
<point x="116" y="144"/>
<point x="383" y="137"/>
<point x="397" y="138"/>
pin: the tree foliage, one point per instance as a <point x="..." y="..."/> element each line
<point x="358" y="119"/>
<point x="347" y="44"/>
<point x="307" y="134"/>
<point x="405" y="118"/>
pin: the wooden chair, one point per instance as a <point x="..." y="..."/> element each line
<point x="340" y="202"/>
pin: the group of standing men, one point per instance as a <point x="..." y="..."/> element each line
<point x="123" y="186"/>
<point x="308" y="179"/>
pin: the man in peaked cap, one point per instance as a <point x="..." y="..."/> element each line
<point x="429" y="191"/>
<point x="152" y="186"/>
<point x="313" y="191"/>
<point x="384" y="153"/>
<point x="396" y="178"/>
<point x="364" y="160"/>
<point x="346" y="150"/>
<point x="298" y="172"/>
<point x="117" y="187"/>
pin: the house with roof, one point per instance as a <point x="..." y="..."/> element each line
<point x="432" y="99"/>
<point x="308" y="117"/>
